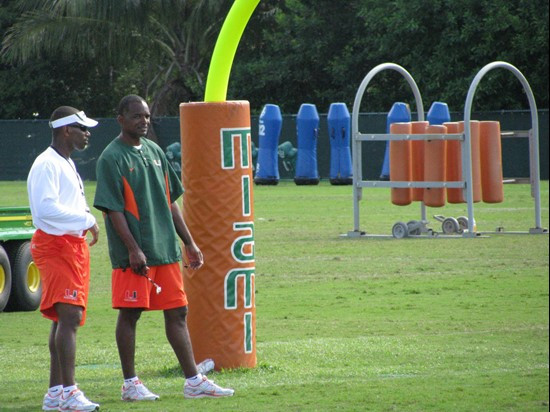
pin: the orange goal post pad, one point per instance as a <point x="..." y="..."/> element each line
<point x="218" y="210"/>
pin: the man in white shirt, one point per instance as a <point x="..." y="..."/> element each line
<point x="59" y="250"/>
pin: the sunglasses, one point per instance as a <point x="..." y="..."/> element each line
<point x="79" y="126"/>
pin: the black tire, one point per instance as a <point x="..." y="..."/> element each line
<point x="5" y="279"/>
<point x="26" y="288"/>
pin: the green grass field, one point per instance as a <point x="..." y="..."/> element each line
<point x="349" y="325"/>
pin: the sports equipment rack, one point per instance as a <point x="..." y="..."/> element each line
<point x="402" y="230"/>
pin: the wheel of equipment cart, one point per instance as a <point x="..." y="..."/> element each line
<point x="26" y="289"/>
<point x="5" y="278"/>
<point x="463" y="223"/>
<point x="450" y="225"/>
<point x="400" y="230"/>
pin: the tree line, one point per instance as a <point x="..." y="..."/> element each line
<point x="90" y="54"/>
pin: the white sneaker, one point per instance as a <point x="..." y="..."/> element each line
<point x="137" y="391"/>
<point x="51" y="403"/>
<point x="77" y="402"/>
<point x="205" y="366"/>
<point x="205" y="389"/>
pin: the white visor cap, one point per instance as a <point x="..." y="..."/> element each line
<point x="79" y="118"/>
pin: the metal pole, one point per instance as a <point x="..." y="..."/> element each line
<point x="356" y="155"/>
<point x="533" y="139"/>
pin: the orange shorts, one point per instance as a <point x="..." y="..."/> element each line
<point x="64" y="265"/>
<point x="130" y="290"/>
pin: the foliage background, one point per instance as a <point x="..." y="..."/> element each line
<point x="292" y="51"/>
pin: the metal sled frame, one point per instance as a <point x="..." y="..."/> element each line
<point x="358" y="138"/>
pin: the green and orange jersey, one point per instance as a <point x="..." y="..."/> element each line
<point x="140" y="183"/>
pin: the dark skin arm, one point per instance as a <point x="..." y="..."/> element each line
<point x="138" y="261"/>
<point x="193" y="253"/>
<point x="94" y="230"/>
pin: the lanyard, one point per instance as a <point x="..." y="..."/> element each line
<point x="74" y="170"/>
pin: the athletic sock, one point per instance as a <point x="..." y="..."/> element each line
<point x="195" y="380"/>
<point x="131" y="380"/>
<point x="54" y="390"/>
<point x="67" y="390"/>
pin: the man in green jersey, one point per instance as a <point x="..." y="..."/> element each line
<point x="137" y="190"/>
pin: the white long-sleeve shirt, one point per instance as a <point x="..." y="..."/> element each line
<point x="56" y="196"/>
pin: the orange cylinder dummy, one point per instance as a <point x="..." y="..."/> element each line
<point x="476" y="159"/>
<point x="417" y="158"/>
<point x="491" y="162"/>
<point x="400" y="164"/>
<point x="218" y="210"/>
<point x="453" y="168"/>
<point x="434" y="166"/>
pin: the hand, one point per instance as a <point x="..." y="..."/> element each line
<point x="138" y="262"/>
<point x="94" y="230"/>
<point x="143" y="270"/>
<point x="194" y="256"/>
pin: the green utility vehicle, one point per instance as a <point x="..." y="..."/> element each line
<point x="20" y="287"/>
